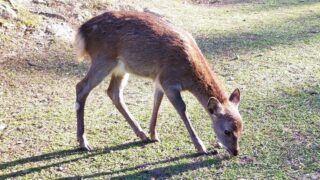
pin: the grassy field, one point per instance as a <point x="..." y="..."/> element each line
<point x="269" y="49"/>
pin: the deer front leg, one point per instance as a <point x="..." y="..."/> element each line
<point x="175" y="98"/>
<point x="158" y="95"/>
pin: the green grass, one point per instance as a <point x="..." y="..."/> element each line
<point x="278" y="71"/>
<point x="27" y="18"/>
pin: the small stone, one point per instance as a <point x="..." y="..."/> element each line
<point x="2" y="127"/>
<point x="314" y="31"/>
<point x="129" y="8"/>
<point x="259" y="55"/>
<point x="315" y="176"/>
<point x="312" y="92"/>
<point x="236" y="57"/>
<point x="230" y="78"/>
<point x="40" y="2"/>
<point x="60" y="168"/>
<point x="154" y="12"/>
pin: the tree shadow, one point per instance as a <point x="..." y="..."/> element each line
<point x="61" y="154"/>
<point x="62" y="63"/>
<point x="270" y="36"/>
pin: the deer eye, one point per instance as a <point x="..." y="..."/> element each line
<point x="226" y="132"/>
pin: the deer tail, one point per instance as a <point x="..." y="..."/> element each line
<point x="80" y="46"/>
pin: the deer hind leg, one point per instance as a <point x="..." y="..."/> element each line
<point x="115" y="92"/>
<point x="174" y="95"/>
<point x="99" y="69"/>
<point x="158" y="96"/>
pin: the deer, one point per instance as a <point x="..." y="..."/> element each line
<point x="143" y="44"/>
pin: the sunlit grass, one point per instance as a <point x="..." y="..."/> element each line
<point x="269" y="50"/>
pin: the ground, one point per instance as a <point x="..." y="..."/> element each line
<point x="269" y="49"/>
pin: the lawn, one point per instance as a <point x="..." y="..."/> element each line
<point x="269" y="49"/>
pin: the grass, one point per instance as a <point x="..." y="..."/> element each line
<point x="278" y="70"/>
<point x="29" y="19"/>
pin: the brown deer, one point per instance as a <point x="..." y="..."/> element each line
<point x="122" y="43"/>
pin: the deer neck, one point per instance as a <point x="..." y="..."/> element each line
<point x="205" y="86"/>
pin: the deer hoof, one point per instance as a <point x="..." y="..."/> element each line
<point x="84" y="145"/>
<point x="155" y="138"/>
<point x="143" y="136"/>
<point x="86" y="148"/>
<point x="202" y="151"/>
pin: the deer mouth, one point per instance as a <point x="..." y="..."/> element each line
<point x="230" y="151"/>
<point x="233" y="152"/>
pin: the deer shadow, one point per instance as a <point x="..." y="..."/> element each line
<point x="145" y="172"/>
<point x="60" y="154"/>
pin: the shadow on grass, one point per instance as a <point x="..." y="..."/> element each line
<point x="168" y="171"/>
<point x="291" y="31"/>
<point x="38" y="64"/>
<point x="60" y="154"/>
<point x="268" y="35"/>
<point x="163" y="172"/>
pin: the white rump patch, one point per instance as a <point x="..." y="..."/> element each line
<point x="120" y="69"/>
<point x="79" y="47"/>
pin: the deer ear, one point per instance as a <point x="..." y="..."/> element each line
<point x="235" y="97"/>
<point x="214" y="106"/>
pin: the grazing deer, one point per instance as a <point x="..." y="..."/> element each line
<point x="120" y="43"/>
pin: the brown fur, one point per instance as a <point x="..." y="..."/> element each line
<point x="149" y="46"/>
<point x="161" y="47"/>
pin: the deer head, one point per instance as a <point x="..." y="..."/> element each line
<point x="227" y="122"/>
